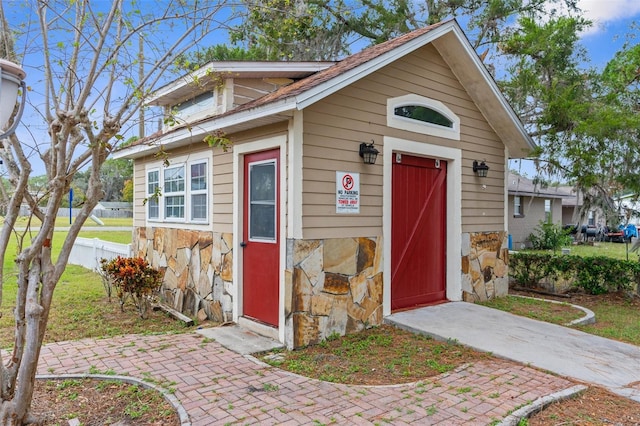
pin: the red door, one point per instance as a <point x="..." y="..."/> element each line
<point x="418" y="231"/>
<point x="261" y="248"/>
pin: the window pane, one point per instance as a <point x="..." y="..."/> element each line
<point x="547" y="210"/>
<point x="153" y="208"/>
<point x="263" y="221"/>
<point x="152" y="182"/>
<point x="174" y="179"/>
<point x="422" y="113"/>
<point x="198" y="177"/>
<point x="262" y="179"/>
<point x="199" y="207"/>
<point x="174" y="207"/>
<point x="262" y="213"/>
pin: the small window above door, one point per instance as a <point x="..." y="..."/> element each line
<point x="422" y="115"/>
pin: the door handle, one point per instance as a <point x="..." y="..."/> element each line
<point x="243" y="244"/>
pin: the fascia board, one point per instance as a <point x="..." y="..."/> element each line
<point x="331" y="86"/>
<point x="492" y="85"/>
<point x="134" y="151"/>
<point x="208" y="126"/>
<point x="238" y="67"/>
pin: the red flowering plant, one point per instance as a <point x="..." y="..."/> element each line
<point x="132" y="277"/>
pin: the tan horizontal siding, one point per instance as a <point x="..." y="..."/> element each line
<point x="480" y="227"/>
<point x="322" y="232"/>
<point x="223" y="174"/>
<point x="223" y="192"/>
<point x="348" y="221"/>
<point x="139" y="194"/>
<point x="334" y="127"/>
<point x="248" y="89"/>
<point x="471" y="197"/>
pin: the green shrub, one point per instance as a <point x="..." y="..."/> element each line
<point x="132" y="277"/>
<point x="549" y="236"/>
<point x="595" y="275"/>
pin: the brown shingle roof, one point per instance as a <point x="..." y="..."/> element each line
<point x="310" y="82"/>
<point x="347" y="64"/>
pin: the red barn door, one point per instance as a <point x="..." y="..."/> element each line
<point x="418" y="231"/>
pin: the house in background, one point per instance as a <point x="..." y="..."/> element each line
<point x="298" y="231"/>
<point x="529" y="204"/>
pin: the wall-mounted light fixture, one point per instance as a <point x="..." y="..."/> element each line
<point x="480" y="169"/>
<point x="368" y="153"/>
<point x="11" y="79"/>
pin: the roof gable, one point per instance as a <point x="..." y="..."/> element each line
<point x="448" y="39"/>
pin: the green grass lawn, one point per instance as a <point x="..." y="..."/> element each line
<point x="556" y="313"/>
<point x="617" y="315"/>
<point x="80" y="307"/>
<point x="63" y="222"/>
<point x="615" y="250"/>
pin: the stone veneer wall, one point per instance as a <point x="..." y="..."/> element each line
<point x="331" y="286"/>
<point x="197" y="269"/>
<point x="485" y="261"/>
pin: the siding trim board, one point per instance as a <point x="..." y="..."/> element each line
<point x="295" y="167"/>
<point x="279" y="141"/>
<point x="454" y="211"/>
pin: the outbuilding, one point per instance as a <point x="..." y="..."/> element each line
<point x="351" y="189"/>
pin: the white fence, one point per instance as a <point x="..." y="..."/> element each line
<point x="87" y="252"/>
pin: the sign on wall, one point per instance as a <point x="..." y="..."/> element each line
<point x="347" y="192"/>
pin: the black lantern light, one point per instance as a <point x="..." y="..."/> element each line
<point x="368" y="153"/>
<point x="480" y="169"/>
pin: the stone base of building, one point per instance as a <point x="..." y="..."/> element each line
<point x="485" y="266"/>
<point x="197" y="269"/>
<point x="333" y="286"/>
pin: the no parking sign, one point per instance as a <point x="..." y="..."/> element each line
<point x="347" y="192"/>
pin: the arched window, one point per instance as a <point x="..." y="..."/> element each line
<point x="422" y="115"/>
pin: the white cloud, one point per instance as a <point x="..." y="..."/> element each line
<point x="604" y="12"/>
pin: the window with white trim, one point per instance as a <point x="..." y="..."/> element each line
<point x="198" y="179"/>
<point x="179" y="192"/>
<point x="517" y="206"/>
<point x="153" y="183"/>
<point x="422" y="115"/>
<point x="174" y="192"/>
<point x="547" y="211"/>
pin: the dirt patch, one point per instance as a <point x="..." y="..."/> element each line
<point x="378" y="356"/>
<point x="595" y="406"/>
<point x="100" y="402"/>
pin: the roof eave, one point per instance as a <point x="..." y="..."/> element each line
<point x="228" y="124"/>
<point x="471" y="72"/>
<point x="236" y="69"/>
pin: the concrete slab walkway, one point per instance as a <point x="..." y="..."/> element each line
<point x="218" y="386"/>
<point x="562" y="350"/>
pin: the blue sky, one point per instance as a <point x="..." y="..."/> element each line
<point x="612" y="19"/>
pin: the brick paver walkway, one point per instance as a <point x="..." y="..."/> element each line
<point x="218" y="386"/>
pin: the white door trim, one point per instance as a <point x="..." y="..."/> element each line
<point x="239" y="152"/>
<point x="453" y="156"/>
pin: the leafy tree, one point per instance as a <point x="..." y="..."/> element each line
<point x="290" y="30"/>
<point x="324" y="29"/>
<point x="113" y="174"/>
<point x="95" y="80"/>
<point x="220" y="52"/>
<point x="584" y="121"/>
<point x="127" y="191"/>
